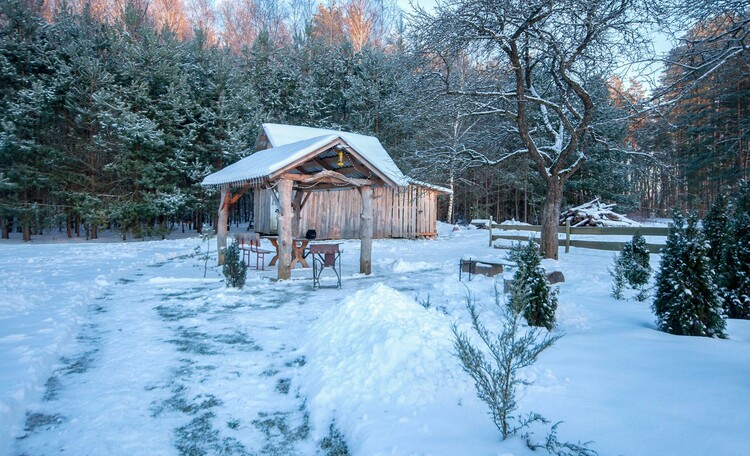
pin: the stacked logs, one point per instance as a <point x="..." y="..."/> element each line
<point x="595" y="213"/>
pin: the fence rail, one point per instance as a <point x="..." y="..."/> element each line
<point x="586" y="244"/>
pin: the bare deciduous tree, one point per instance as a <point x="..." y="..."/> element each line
<point x="542" y="54"/>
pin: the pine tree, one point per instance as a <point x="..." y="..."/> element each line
<point x="632" y="268"/>
<point x="734" y="271"/>
<point x="716" y="229"/>
<point x="530" y="291"/>
<point x="687" y="301"/>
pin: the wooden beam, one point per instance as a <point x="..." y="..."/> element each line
<point x="239" y="194"/>
<point x="365" y="255"/>
<point x="283" y="268"/>
<point x="297" y="208"/>
<point x="285" y="170"/>
<point x="319" y="161"/>
<point x="369" y="167"/>
<point x="296" y="177"/>
<point x="304" y="201"/>
<point x="328" y="177"/>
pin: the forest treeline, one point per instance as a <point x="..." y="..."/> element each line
<point x="113" y="111"/>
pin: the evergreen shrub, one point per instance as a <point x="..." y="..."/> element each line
<point x="687" y="300"/>
<point x="632" y="268"/>
<point x="530" y="292"/>
<point x="234" y="269"/>
<point x="727" y="229"/>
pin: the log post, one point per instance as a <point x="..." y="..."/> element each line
<point x="297" y="208"/>
<point x="284" y="270"/>
<point x="221" y="229"/>
<point x="567" y="236"/>
<point x="365" y="255"/>
<point x="490" y="226"/>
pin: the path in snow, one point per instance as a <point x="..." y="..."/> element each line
<point x="172" y="366"/>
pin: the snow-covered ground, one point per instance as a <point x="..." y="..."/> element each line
<point x="125" y="348"/>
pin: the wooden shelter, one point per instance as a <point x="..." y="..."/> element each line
<point x="408" y="210"/>
<point x="300" y="162"/>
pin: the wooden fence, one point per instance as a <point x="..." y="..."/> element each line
<point x="591" y="231"/>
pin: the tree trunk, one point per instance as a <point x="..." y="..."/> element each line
<point x="284" y="270"/>
<point x="450" y="201"/>
<point x="551" y="217"/>
<point x="4" y="223"/>
<point x="365" y="255"/>
<point x="221" y="228"/>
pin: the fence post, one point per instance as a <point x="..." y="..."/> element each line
<point x="567" y="236"/>
<point x="490" y="231"/>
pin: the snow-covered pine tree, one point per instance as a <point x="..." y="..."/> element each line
<point x="687" y="300"/>
<point x="734" y="270"/>
<point x="632" y="268"/>
<point x="530" y="291"/>
<point x="717" y="230"/>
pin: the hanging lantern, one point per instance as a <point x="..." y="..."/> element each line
<point x="341" y="158"/>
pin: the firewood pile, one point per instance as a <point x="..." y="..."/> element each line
<point x="595" y="213"/>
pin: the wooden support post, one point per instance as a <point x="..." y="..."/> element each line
<point x="490" y="231"/>
<point x="365" y="255"/>
<point x="284" y="270"/>
<point x="221" y="229"/>
<point x="297" y="208"/>
<point x="567" y="236"/>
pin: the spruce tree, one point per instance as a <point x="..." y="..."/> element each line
<point x="734" y="271"/>
<point x="632" y="268"/>
<point x="530" y="292"/>
<point x="716" y="229"/>
<point x="687" y="300"/>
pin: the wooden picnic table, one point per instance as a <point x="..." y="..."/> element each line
<point x="298" y="251"/>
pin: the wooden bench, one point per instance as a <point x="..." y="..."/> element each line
<point x="489" y="268"/>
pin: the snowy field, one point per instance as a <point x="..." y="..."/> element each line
<point x="126" y="349"/>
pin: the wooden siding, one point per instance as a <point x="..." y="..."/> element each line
<point x="398" y="212"/>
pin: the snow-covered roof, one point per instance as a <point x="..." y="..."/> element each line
<point x="264" y="163"/>
<point x="290" y="143"/>
<point x="368" y="147"/>
<point x="437" y="188"/>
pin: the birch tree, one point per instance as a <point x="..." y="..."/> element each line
<point x="541" y="54"/>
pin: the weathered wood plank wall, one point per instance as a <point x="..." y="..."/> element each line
<point x="403" y="212"/>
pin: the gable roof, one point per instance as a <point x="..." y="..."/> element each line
<point x="367" y="147"/>
<point x="292" y="146"/>
<point x="264" y="163"/>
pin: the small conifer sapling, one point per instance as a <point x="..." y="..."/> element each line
<point x="234" y="268"/>
<point x="530" y="292"/>
<point x="632" y="268"/>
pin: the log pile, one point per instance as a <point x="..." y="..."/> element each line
<point x="595" y="213"/>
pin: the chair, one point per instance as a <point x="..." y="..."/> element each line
<point x="242" y="241"/>
<point x="326" y="256"/>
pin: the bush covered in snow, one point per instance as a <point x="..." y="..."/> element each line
<point x="632" y="268"/>
<point x="530" y="292"/>
<point x="728" y="230"/>
<point x="716" y="229"/>
<point x="687" y="301"/>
